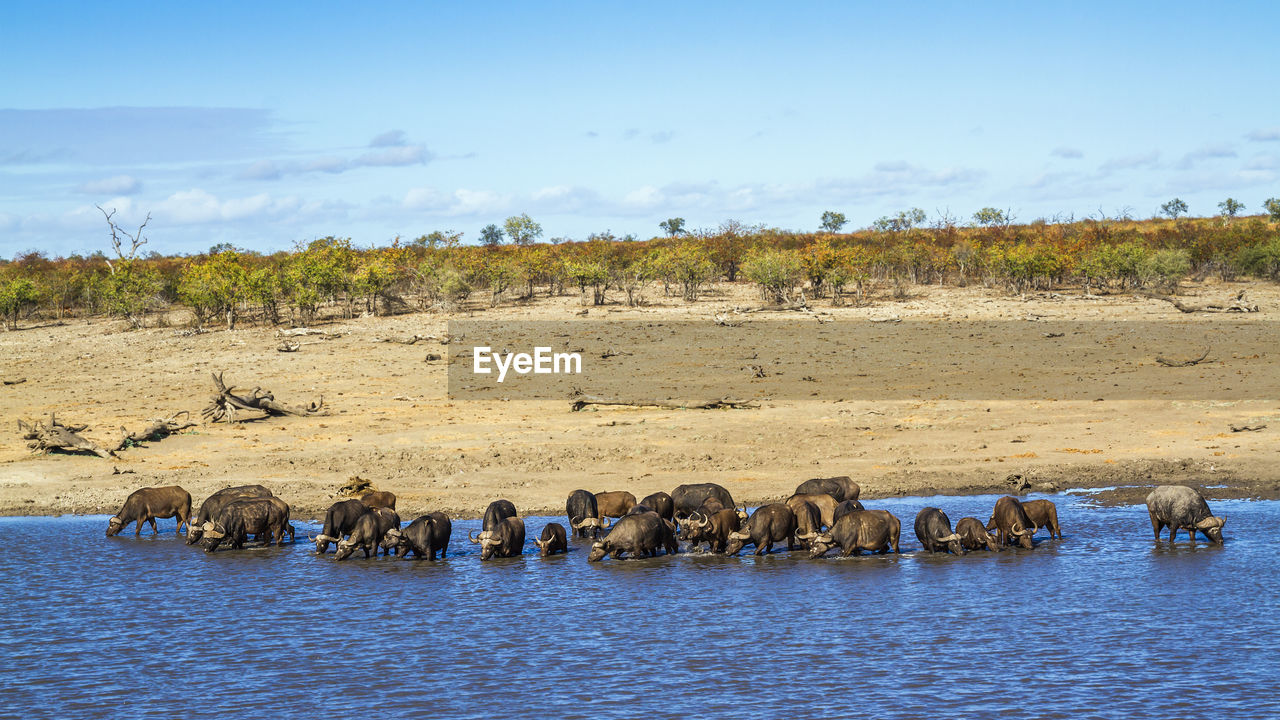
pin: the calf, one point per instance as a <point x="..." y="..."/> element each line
<point x="974" y="536"/>
<point x="370" y="533"/>
<point x="423" y="537"/>
<point x="553" y="540"/>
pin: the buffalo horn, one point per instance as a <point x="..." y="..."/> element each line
<point x="471" y="538"/>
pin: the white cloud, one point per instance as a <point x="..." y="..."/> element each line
<point x="114" y="185"/>
<point x="1131" y="162"/>
<point x="1265" y="135"/>
<point x="1068" y="153"/>
<point x="390" y="138"/>
<point x="456" y="203"/>
<point x="197" y="207"/>
<point x="1207" y="152"/>
<point x="397" y="156"/>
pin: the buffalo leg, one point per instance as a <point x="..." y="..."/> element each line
<point x="1156" y="525"/>
<point x="1173" y="532"/>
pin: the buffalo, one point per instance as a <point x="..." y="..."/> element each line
<point x="423" y="537"/>
<point x="379" y="498"/>
<point x="615" y="503"/>
<point x="841" y="488"/>
<point x="1043" y="514"/>
<point x="339" y="522"/>
<point x="641" y="535"/>
<point x="1011" y="522"/>
<point x="974" y="536"/>
<point x="769" y="524"/>
<point x="583" y="513"/>
<point x="1177" y="507"/>
<point x="870" y="530"/>
<point x="498" y="511"/>
<point x="713" y="529"/>
<point x="661" y="503"/>
<point x="505" y="539"/>
<point x="808" y="518"/>
<point x="688" y="499"/>
<point x="933" y="530"/>
<point x="262" y="517"/>
<point x="370" y="534"/>
<point x="553" y="540"/>
<point x="213" y="505"/>
<point x="844" y="508"/>
<point x="147" y="504"/>
<point x="825" y="504"/>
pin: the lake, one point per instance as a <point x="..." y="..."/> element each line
<point x="1104" y="623"/>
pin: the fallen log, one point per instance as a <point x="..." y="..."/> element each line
<point x="580" y="400"/>
<point x="14" y="381"/>
<point x="1246" y="428"/>
<point x="296" y="332"/>
<point x="158" y="430"/>
<point x="1167" y="362"/>
<point x="55" y="436"/>
<point x="1235" y="305"/>
<point x="226" y="403"/>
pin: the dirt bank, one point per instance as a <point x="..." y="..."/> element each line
<point x="388" y="417"/>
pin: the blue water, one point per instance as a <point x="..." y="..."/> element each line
<point x="1103" y="623"/>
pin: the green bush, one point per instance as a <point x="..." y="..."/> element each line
<point x="777" y="272"/>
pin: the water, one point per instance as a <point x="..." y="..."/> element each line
<point x="1101" y="624"/>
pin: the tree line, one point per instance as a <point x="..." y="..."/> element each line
<point x="332" y="276"/>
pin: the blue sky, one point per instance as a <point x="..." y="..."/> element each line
<point x="266" y="124"/>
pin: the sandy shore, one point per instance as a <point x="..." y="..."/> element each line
<point x="389" y="419"/>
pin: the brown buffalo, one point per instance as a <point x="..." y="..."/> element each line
<point x="1043" y="514"/>
<point x="147" y="504"/>
<point x="379" y="499"/>
<point x="615" y="503"/>
<point x="712" y="528"/>
<point x="1011" y="522"/>
<point x="823" y="501"/>
<point x="974" y="536"/>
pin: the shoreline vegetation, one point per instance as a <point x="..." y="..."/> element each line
<point x="122" y="344"/>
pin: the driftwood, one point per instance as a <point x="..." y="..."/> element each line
<point x="726" y="322"/>
<point x="226" y="403"/>
<point x="890" y="319"/>
<point x="1246" y="428"/>
<point x="157" y="430"/>
<point x="56" y="436"/>
<point x="409" y="340"/>
<point x="296" y="332"/>
<point x="14" y="381"/>
<point x="1167" y="362"/>
<point x="1237" y="305"/>
<point x="581" y="400"/>
<point x="287" y="346"/>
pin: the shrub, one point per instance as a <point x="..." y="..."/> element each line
<point x="777" y="272"/>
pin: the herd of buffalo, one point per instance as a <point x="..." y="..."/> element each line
<point x="823" y="514"/>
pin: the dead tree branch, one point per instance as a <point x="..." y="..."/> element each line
<point x="56" y="436"/>
<point x="226" y="403"/>
<point x="581" y="400"/>
<point x="158" y="430"/>
<point x="1236" y="305"/>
